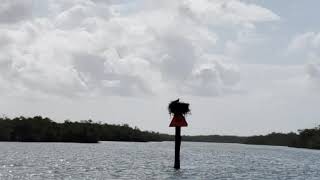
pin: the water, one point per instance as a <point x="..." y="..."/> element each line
<point x="124" y="160"/>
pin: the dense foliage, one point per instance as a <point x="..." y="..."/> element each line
<point x="215" y="138"/>
<point x="309" y="138"/>
<point x="39" y="129"/>
<point x="306" y="138"/>
<point x="277" y="139"/>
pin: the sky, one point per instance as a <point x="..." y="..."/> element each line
<point x="246" y="67"/>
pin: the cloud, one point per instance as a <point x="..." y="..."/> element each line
<point x="12" y="11"/>
<point x="305" y="41"/>
<point x="94" y="47"/>
<point x="307" y="44"/>
<point x="213" y="79"/>
<point x="226" y="13"/>
<point x="313" y="70"/>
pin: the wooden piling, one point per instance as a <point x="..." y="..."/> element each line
<point x="178" y="110"/>
<point x="177" y="148"/>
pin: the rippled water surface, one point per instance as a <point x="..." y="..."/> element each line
<point x="124" y="160"/>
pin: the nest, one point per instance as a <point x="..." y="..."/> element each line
<point x="177" y="107"/>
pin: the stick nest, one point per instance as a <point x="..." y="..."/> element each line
<point x="177" y="107"/>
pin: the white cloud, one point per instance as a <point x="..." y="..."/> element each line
<point x="106" y="47"/>
<point x="213" y="79"/>
<point x="226" y="13"/>
<point x="306" y="44"/>
<point x="313" y="70"/>
<point x="305" y="40"/>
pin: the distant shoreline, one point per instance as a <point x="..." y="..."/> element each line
<point x="39" y="129"/>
